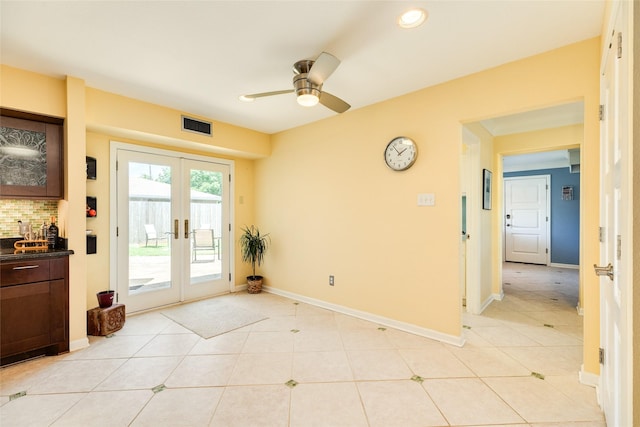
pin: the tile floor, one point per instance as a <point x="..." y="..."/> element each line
<point x="307" y="366"/>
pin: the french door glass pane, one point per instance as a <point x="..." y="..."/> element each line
<point x="149" y="227"/>
<point x="205" y="223"/>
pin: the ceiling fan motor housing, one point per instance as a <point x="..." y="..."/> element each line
<point x="303" y="86"/>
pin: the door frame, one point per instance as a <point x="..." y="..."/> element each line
<point x="114" y="146"/>
<point x="547" y="177"/>
<point x="472" y="267"/>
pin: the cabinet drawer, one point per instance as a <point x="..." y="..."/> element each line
<point x="13" y="273"/>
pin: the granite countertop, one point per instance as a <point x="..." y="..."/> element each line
<point x="8" y="253"/>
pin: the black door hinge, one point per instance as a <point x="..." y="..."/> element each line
<point x="601" y="355"/>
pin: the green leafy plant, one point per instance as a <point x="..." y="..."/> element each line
<point x="253" y="246"/>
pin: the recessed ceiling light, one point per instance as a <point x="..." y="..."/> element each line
<point x="412" y="18"/>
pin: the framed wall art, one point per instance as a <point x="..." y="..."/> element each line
<point x="486" y="189"/>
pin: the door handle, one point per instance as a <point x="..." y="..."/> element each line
<point x="176" y="225"/>
<point x="604" y="271"/>
<point x="186" y="228"/>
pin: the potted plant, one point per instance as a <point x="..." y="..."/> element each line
<point x="253" y="246"/>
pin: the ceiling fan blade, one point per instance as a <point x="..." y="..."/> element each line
<point x="333" y="102"/>
<point x="263" y="94"/>
<point x="322" y="68"/>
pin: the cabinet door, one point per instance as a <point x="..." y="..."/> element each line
<point x="25" y="317"/>
<point x="32" y="165"/>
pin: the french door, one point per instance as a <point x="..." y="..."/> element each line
<point x="616" y="255"/>
<point x="172" y="231"/>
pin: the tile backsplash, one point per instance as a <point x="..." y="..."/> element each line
<point x="33" y="211"/>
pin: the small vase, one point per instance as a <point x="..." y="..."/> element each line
<point x="105" y="298"/>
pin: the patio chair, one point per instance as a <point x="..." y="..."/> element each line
<point x="203" y="240"/>
<point x="151" y="234"/>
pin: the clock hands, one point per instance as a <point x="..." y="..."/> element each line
<point x="399" y="152"/>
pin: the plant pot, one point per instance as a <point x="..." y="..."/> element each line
<point x="254" y="284"/>
<point x="105" y="298"/>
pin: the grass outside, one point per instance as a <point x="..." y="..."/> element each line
<point x="148" y="250"/>
<point x="135" y="250"/>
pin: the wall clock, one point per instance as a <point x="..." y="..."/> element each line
<point x="401" y="153"/>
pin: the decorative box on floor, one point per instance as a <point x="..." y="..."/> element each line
<point x="105" y="321"/>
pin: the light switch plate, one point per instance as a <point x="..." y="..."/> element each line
<point x="426" y="199"/>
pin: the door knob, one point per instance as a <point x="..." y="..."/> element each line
<point x="604" y="271"/>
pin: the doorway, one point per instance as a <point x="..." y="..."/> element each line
<point x="172" y="227"/>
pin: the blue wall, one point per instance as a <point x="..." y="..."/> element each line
<point x="565" y="214"/>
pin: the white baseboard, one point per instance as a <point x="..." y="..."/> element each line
<point x="492" y="298"/>
<point x="240" y="288"/>
<point x="79" y="344"/>
<point x="385" y="321"/>
<point x="592" y="380"/>
<point x="497" y="297"/>
<point x="556" y="264"/>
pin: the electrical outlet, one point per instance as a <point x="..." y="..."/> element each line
<point x="331" y="281"/>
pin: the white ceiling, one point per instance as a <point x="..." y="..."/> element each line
<point x="536" y="161"/>
<point x="199" y="56"/>
<point x="556" y="116"/>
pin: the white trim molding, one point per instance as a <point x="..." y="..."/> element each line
<point x="385" y="321"/>
<point x="559" y="265"/>
<point x="79" y="344"/>
<point x="591" y="380"/>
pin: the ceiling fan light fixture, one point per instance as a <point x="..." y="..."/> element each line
<point x="412" y="18"/>
<point x="308" y="99"/>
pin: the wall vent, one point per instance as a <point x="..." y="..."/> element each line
<point x="197" y="126"/>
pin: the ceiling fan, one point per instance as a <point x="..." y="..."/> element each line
<point x="308" y="77"/>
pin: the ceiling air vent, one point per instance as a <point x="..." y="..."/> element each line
<point x="197" y="126"/>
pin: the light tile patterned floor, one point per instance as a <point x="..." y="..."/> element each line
<point x="345" y="371"/>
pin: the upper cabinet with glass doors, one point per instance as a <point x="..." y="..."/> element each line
<point x="31" y="162"/>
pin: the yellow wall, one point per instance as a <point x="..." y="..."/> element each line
<point x="92" y="119"/>
<point x="26" y="91"/>
<point x="324" y="193"/>
<point x="635" y="142"/>
<point x="333" y="207"/>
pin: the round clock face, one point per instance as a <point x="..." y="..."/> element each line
<point x="400" y="153"/>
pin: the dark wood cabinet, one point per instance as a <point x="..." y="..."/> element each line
<point x="34" y="308"/>
<point x="32" y="149"/>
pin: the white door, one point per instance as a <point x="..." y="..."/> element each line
<point x="172" y="232"/>
<point x="526" y="201"/>
<point x="207" y="245"/>
<point x="615" y="250"/>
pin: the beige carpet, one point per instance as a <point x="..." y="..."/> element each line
<point x="212" y="317"/>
